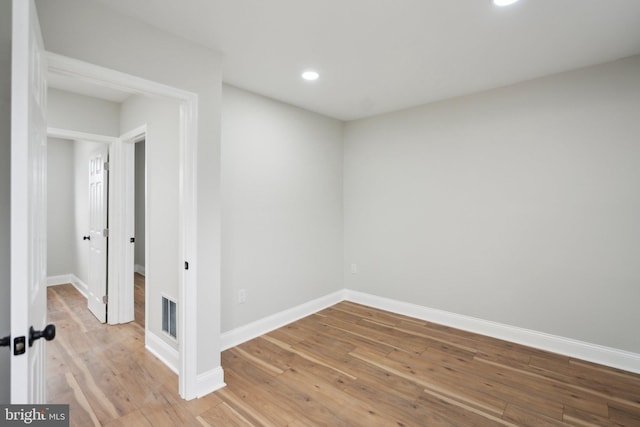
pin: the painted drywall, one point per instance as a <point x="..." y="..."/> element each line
<point x="5" y="196"/>
<point x="79" y="113"/>
<point x="83" y="151"/>
<point x="98" y="35"/>
<point x="140" y="178"/>
<point x="519" y="205"/>
<point x="61" y="209"/>
<point x="282" y="206"/>
<point x="70" y="111"/>
<point x="162" y="162"/>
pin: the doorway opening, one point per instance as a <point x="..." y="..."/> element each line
<point x="77" y="218"/>
<point x="121" y="308"/>
<point x="139" y="257"/>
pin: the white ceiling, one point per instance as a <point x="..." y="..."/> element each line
<point x="376" y="56"/>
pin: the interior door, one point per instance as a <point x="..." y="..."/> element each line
<point x="98" y="226"/>
<point x="28" y="207"/>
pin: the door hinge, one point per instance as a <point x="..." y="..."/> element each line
<point x="105" y="299"/>
<point x="105" y="232"/>
<point x="106" y="166"/>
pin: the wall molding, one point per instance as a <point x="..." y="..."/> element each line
<point x="595" y="353"/>
<point x="64" y="279"/>
<point x="188" y="284"/>
<point x="210" y="381"/>
<point x="163" y="351"/>
<point x="137" y="268"/>
<point x="267" y="324"/>
<point x="589" y="352"/>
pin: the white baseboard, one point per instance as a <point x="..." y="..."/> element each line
<point x="260" y="327"/>
<point x="595" y="353"/>
<point x="137" y="268"/>
<point x="209" y="381"/>
<point x="64" y="279"/>
<point x="163" y="351"/>
<point x="566" y="346"/>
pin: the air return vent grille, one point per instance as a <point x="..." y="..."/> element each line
<point x="169" y="316"/>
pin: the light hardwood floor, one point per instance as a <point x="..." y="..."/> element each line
<point x="348" y="365"/>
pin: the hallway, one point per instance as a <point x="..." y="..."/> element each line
<point x="105" y="373"/>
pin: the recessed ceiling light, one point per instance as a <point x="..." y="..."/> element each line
<point x="310" y="75"/>
<point x="504" y="2"/>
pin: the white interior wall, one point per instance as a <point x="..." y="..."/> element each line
<point x="5" y="195"/>
<point x="282" y="206"/>
<point x="480" y="205"/>
<point x="61" y="208"/>
<point x="140" y="178"/>
<point x="519" y="205"/>
<point x="70" y="111"/>
<point x="163" y="153"/>
<point x="98" y="35"/>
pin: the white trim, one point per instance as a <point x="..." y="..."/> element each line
<point x="135" y="135"/>
<point x="127" y="193"/>
<point x="80" y="136"/>
<point x="117" y="312"/>
<point x="137" y="268"/>
<point x="260" y="327"/>
<point x="188" y="249"/>
<point x="163" y="351"/>
<point x="595" y="353"/>
<point x="188" y="281"/>
<point x="210" y="381"/>
<point x="566" y="346"/>
<point x="105" y="77"/>
<point x="64" y="279"/>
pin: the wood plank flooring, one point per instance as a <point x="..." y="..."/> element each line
<point x="348" y="365"/>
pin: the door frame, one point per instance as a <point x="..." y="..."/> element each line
<point x="126" y="302"/>
<point x="188" y="141"/>
<point x="112" y="266"/>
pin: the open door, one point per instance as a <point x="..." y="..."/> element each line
<point x="28" y="208"/>
<point x="98" y="233"/>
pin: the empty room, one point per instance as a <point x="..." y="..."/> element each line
<point x="414" y="213"/>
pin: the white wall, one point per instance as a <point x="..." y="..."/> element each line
<point x="140" y="178"/>
<point x="61" y="209"/>
<point x="96" y="34"/>
<point x="519" y="205"/>
<point x="70" y="111"/>
<point x="5" y="195"/>
<point x="282" y="206"/>
<point x="163" y="266"/>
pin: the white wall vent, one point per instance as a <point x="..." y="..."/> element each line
<point x="169" y="316"/>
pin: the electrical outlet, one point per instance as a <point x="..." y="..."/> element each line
<point x="242" y="296"/>
<point x="354" y="268"/>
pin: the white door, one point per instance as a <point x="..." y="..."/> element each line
<point x="98" y="193"/>
<point x="28" y="206"/>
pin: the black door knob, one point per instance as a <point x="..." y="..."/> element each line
<point x="5" y="341"/>
<point x="86" y="237"/>
<point x="48" y="333"/>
